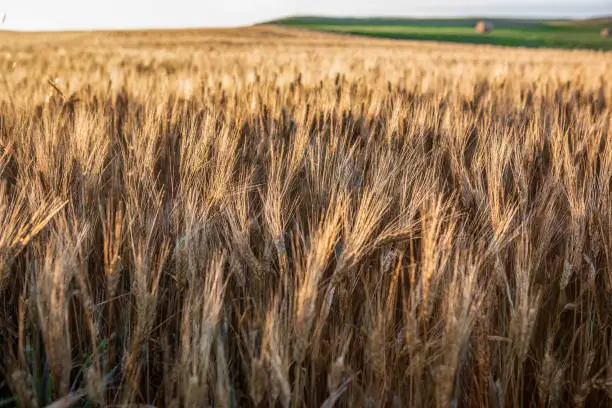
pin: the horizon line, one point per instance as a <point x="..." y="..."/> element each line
<point x="427" y="16"/>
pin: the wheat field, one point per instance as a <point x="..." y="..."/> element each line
<point x="274" y="217"/>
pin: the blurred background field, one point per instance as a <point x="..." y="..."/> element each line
<point x="510" y="32"/>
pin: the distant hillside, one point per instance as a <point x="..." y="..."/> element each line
<point x="598" y="22"/>
<point x="433" y="22"/>
<point x="581" y="34"/>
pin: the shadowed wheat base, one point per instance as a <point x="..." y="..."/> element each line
<point x="269" y="216"/>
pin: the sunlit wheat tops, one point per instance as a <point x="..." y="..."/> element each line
<point x="277" y="217"/>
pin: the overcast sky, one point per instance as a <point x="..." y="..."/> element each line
<point x="88" y="14"/>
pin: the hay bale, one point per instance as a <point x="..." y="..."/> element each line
<point x="483" y="27"/>
<point x="606" y="32"/>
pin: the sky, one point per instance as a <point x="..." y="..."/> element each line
<point x="121" y="14"/>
